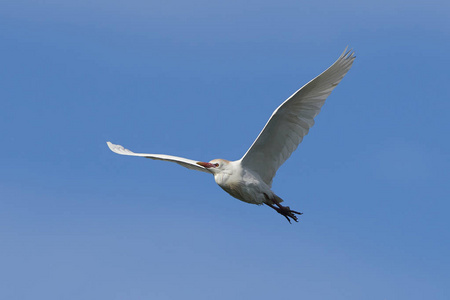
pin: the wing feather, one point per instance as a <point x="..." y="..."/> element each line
<point x="291" y="121"/>
<point x="187" y="163"/>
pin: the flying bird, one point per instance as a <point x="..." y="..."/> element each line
<point x="249" y="179"/>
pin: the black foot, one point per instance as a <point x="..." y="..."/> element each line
<point x="288" y="213"/>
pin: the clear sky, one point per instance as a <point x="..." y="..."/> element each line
<point x="199" y="79"/>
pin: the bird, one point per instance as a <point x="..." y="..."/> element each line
<point x="249" y="179"/>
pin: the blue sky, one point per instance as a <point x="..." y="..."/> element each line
<point x="199" y="79"/>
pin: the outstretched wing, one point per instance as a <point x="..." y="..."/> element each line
<point x="187" y="163"/>
<point x="291" y="121"/>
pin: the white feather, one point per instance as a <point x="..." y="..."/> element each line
<point x="291" y="121"/>
<point x="187" y="163"/>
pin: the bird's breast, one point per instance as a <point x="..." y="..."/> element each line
<point x="243" y="186"/>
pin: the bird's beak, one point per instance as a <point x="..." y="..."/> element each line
<point x="205" y="164"/>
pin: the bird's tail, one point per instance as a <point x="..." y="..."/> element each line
<point x="274" y="200"/>
<point x="278" y="199"/>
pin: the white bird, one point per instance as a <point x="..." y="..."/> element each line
<point x="249" y="179"/>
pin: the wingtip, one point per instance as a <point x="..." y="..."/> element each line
<point x="348" y="53"/>
<point x="113" y="147"/>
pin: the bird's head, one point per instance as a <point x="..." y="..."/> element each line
<point x="215" y="165"/>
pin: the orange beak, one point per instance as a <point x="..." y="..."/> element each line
<point x="206" y="165"/>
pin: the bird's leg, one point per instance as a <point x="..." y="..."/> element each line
<point x="283" y="210"/>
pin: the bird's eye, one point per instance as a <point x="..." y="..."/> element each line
<point x="216" y="164"/>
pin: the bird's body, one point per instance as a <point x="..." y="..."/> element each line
<point x="249" y="179"/>
<point x="242" y="183"/>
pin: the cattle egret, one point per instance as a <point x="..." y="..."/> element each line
<point x="249" y="179"/>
